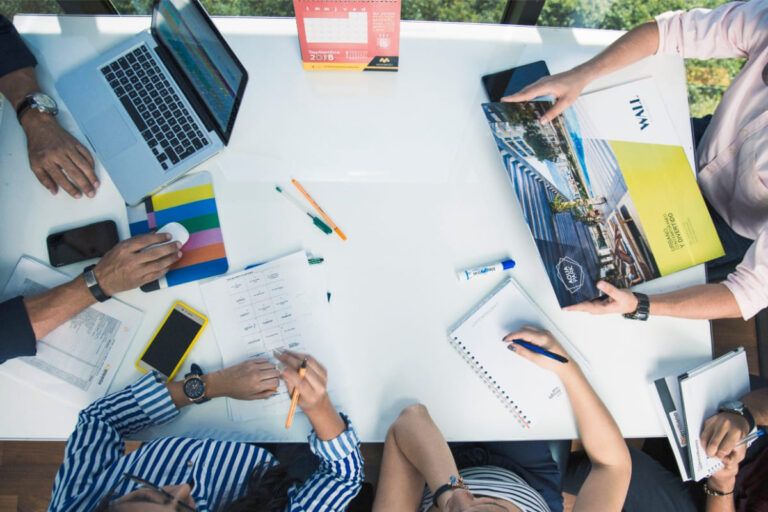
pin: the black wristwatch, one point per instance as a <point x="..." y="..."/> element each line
<point x="737" y="407"/>
<point x="455" y="482"/>
<point x="38" y="101"/>
<point x="93" y="284"/>
<point x="643" y="308"/>
<point x="194" y="385"/>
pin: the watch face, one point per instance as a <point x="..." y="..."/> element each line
<point x="734" y="405"/>
<point x="194" y="388"/>
<point x="44" y="102"/>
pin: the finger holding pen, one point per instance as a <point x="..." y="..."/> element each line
<point x="312" y="393"/>
<point x="556" y="361"/>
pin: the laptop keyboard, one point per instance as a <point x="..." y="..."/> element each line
<point x="156" y="109"/>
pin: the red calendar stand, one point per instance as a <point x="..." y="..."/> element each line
<point x="353" y="35"/>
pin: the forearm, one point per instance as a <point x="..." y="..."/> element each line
<point x="423" y="445"/>
<point x="49" y="310"/>
<point x="326" y="421"/>
<point x="704" y="302"/>
<point x="638" y="43"/>
<point x="723" y="483"/>
<point x="599" y="434"/>
<point x="17" y="84"/>
<point x="720" y="504"/>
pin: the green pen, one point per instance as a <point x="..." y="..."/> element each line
<point x="322" y="226"/>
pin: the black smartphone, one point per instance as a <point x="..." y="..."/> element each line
<point x="510" y="81"/>
<point x="83" y="243"/>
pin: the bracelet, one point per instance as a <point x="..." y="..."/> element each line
<point x="714" y="492"/>
<point x="453" y="483"/>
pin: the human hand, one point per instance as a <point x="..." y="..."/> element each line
<point x="543" y="339"/>
<point x="250" y="380"/>
<point x="724" y="480"/>
<point x="722" y="432"/>
<point x="57" y="159"/>
<point x="126" y="267"/>
<point x="565" y="87"/>
<point x="618" y="301"/>
<point x="312" y="388"/>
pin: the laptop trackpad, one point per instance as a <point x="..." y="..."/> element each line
<point x="108" y="133"/>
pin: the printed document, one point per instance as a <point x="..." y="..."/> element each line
<point x="77" y="361"/>
<point x="275" y="305"/>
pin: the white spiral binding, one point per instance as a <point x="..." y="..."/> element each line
<point x="488" y="379"/>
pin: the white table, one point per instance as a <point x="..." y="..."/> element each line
<point x="405" y="163"/>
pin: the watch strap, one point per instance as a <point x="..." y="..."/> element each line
<point x="454" y="483"/>
<point x="93" y="284"/>
<point x="194" y="369"/>
<point x="25" y="105"/>
<point x="643" y="309"/>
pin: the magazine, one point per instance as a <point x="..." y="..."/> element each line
<point x="605" y="188"/>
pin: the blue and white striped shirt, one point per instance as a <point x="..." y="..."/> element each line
<point x="219" y="471"/>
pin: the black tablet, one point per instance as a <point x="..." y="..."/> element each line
<point x="510" y="81"/>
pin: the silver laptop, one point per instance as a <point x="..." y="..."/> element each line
<point x="160" y="103"/>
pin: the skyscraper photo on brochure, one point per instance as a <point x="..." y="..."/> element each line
<point x="605" y="188"/>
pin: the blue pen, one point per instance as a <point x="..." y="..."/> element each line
<point x="542" y="351"/>
<point x="466" y="275"/>
<point x="752" y="437"/>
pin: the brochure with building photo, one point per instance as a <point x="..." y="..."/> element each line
<point x="606" y="189"/>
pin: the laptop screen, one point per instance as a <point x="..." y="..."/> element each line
<point x="183" y="27"/>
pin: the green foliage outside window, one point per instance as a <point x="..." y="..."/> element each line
<point x="707" y="80"/>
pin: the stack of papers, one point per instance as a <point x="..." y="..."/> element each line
<point x="76" y="362"/>
<point x="275" y="305"/>
<point x="685" y="402"/>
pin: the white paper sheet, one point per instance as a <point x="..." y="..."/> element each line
<point x="77" y="361"/>
<point x="276" y="305"/>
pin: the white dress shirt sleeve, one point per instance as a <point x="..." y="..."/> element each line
<point x="731" y="30"/>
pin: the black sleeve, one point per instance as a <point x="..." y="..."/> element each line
<point x="16" y="335"/>
<point x="14" y="54"/>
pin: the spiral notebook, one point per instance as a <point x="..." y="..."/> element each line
<point x="530" y="393"/>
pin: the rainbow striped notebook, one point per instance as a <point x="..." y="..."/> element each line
<point x="189" y="201"/>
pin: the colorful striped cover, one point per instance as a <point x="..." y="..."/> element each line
<point x="190" y="202"/>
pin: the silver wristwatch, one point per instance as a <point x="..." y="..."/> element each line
<point x="38" y="101"/>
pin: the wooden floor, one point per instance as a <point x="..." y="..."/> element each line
<point x="27" y="469"/>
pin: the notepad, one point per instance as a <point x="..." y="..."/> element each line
<point x="191" y="202"/>
<point x="686" y="401"/>
<point x="531" y="393"/>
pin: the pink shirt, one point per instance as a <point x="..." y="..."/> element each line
<point x="733" y="154"/>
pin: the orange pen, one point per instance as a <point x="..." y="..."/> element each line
<point x="319" y="210"/>
<point x="295" y="396"/>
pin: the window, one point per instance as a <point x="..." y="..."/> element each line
<point x="707" y="79"/>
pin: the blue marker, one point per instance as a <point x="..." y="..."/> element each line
<point x="466" y="275"/>
<point x="542" y="351"/>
